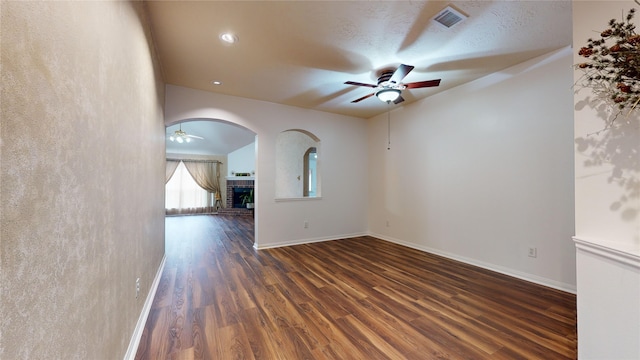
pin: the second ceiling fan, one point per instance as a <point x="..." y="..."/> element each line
<point x="182" y="136"/>
<point x="390" y="86"/>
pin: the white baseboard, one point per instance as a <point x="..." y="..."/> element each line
<point x="306" y="241"/>
<point x="142" y="319"/>
<point x="499" y="269"/>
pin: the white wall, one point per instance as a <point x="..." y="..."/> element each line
<point x="242" y="160"/>
<point x="483" y="171"/>
<point x="342" y="210"/>
<point x="602" y="213"/>
<point x="607" y="203"/>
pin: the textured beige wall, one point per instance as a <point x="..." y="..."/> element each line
<point x="81" y="177"/>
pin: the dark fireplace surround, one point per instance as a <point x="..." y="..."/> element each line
<point x="234" y="204"/>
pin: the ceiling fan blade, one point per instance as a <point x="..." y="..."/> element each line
<point x="360" y="84"/>
<point x="402" y="71"/>
<point x="398" y="100"/>
<point x="362" y="98"/>
<point x="423" y="84"/>
<point x="195" y="137"/>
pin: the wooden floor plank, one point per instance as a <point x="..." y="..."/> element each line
<point x="357" y="298"/>
<point x="259" y="334"/>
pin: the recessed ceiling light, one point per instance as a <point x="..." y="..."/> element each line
<point x="216" y="82"/>
<point x="229" y="38"/>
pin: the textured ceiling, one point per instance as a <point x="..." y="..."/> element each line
<point x="300" y="53"/>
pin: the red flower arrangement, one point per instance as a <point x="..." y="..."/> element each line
<point x="612" y="65"/>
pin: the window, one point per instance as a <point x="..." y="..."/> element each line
<point x="310" y="169"/>
<point x="183" y="195"/>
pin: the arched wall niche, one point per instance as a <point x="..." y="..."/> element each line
<point x="294" y="175"/>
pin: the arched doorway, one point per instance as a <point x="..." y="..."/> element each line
<point x="230" y="146"/>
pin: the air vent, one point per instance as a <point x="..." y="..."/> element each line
<point x="449" y="17"/>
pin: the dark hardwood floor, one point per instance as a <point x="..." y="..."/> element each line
<point x="359" y="298"/>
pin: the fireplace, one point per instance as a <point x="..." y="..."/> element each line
<point x="238" y="192"/>
<point x="236" y="188"/>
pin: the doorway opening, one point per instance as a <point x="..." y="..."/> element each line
<point x="218" y="157"/>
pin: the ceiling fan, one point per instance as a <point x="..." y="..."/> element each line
<point x="390" y="85"/>
<point x="181" y="136"/>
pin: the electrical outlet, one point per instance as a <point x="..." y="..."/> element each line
<point x="533" y="252"/>
<point x="137" y="287"/>
<point x="388" y="223"/>
<point x="306" y="224"/>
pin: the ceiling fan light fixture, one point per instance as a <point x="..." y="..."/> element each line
<point x="229" y="38"/>
<point x="387" y="95"/>
<point x="181" y="136"/>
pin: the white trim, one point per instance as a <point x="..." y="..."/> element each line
<point x="233" y="178"/>
<point x="307" y="241"/>
<point x="142" y="319"/>
<point x="306" y="198"/>
<point x="499" y="269"/>
<point x="608" y="252"/>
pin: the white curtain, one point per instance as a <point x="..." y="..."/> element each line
<point x="184" y="196"/>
